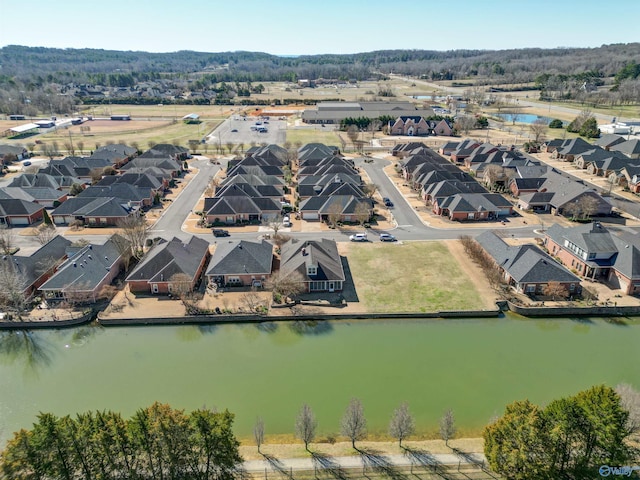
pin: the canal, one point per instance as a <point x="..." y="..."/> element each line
<point x="474" y="367"/>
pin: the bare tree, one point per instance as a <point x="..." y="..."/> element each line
<point x="447" y="426"/>
<point x="306" y="425"/>
<point x="588" y="206"/>
<point x="354" y="423"/>
<point x="12" y="284"/>
<point x="44" y="233"/>
<point x="135" y="229"/>
<point x="539" y="130"/>
<point x="492" y="174"/>
<point x="630" y="401"/>
<point x="274" y="223"/>
<point x="229" y="146"/>
<point x="362" y="212"/>
<point x="369" y="189"/>
<point x="334" y="214"/>
<point x="353" y="134"/>
<point x="124" y="249"/>
<point x="211" y="187"/>
<point x="180" y="284"/>
<point x="555" y="290"/>
<point x="465" y="123"/>
<point x="402" y="424"/>
<point x="258" y="432"/>
<point x="287" y="286"/>
<point x="252" y="301"/>
<point x="7" y="240"/>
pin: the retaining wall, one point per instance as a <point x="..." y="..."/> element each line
<point x="595" y="311"/>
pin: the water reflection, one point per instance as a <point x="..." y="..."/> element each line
<point x="28" y="347"/>
<point x="190" y="333"/>
<point x="311" y="327"/>
<point x="82" y="335"/>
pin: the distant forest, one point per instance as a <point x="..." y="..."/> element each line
<point x="559" y="72"/>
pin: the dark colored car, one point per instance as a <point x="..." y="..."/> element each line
<point x="388" y="203"/>
<point x="235" y="130"/>
<point x="218" y="232"/>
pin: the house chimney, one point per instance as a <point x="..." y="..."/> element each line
<point x="304" y="251"/>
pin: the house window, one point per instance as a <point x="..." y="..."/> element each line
<point x="531" y="289"/>
<point x="312" y="270"/>
<point x="103" y="220"/>
<point x="572" y="287"/>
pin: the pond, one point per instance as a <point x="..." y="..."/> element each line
<point x="522" y="117"/>
<point x="474" y="367"/>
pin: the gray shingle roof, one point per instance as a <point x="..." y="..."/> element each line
<point x="169" y="258"/>
<point x="524" y="263"/>
<point x="13" y="206"/>
<point x="86" y="269"/>
<point x="321" y="253"/>
<point x="241" y="258"/>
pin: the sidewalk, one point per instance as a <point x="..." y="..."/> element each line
<point x="368" y="460"/>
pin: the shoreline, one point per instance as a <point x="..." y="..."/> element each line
<point x="502" y="307"/>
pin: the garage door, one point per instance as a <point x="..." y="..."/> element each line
<point x="19" y="221"/>
<point x="310" y="216"/>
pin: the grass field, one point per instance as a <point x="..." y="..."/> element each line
<point x="409" y="278"/>
<point x="305" y="136"/>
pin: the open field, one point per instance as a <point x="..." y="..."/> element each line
<point x="141" y="132"/>
<point x="408" y="278"/>
<point x="164" y="111"/>
<point x="328" y="137"/>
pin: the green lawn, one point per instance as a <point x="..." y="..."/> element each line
<point x="412" y="277"/>
<point x="305" y="136"/>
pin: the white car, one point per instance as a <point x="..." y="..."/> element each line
<point x="358" y="237"/>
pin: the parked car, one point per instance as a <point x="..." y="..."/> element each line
<point x="388" y="203"/>
<point x="26" y="163"/>
<point x="218" y="232"/>
<point x="387" y="237"/>
<point x="235" y="130"/>
<point x="358" y="237"/>
<point x="286" y="221"/>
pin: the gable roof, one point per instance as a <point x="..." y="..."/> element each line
<point x="18" y="207"/>
<point x="170" y="258"/>
<point x="296" y="255"/>
<point x="87" y="268"/>
<point x="241" y="258"/>
<point x="524" y="263"/>
<point x="628" y="147"/>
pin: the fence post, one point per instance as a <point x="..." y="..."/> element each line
<point x="265" y="473"/>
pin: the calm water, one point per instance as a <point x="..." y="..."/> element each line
<point x="522" y="117"/>
<point x="472" y="366"/>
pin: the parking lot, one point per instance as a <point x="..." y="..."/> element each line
<point x="246" y="130"/>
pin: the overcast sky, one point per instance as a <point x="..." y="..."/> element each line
<point x="294" y="27"/>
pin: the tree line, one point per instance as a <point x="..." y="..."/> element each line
<point x="157" y="442"/>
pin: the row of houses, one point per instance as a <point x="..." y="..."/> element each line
<point x="108" y="186"/>
<point x="573" y="254"/>
<point x="329" y="185"/>
<point x="451" y="192"/>
<point x="611" y="156"/>
<point x="253" y="190"/>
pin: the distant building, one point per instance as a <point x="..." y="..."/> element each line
<point x="335" y="112"/>
<point x="120" y="117"/>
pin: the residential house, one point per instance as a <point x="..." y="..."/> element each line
<point x="631" y="148"/>
<point x="570" y="148"/>
<point x="169" y="167"/>
<point x="10" y="151"/>
<point x="81" y="168"/>
<point x="238" y="263"/>
<point x="403" y="150"/>
<point x="607" y="141"/>
<point x="527" y="268"/>
<point x="57" y="182"/>
<point x="92" y="211"/>
<point x="240" y="208"/>
<point x="159" y="268"/>
<point x="86" y="272"/>
<point x="347" y="208"/>
<point x="117" y="154"/>
<point x="472" y="206"/>
<point x="137" y="197"/>
<point x="595" y="253"/>
<point x="16" y="212"/>
<point x="631" y="177"/>
<point x="166" y="150"/>
<point x="45" y="196"/>
<point x="410" y="126"/>
<point x="317" y="261"/>
<point x="36" y="268"/>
